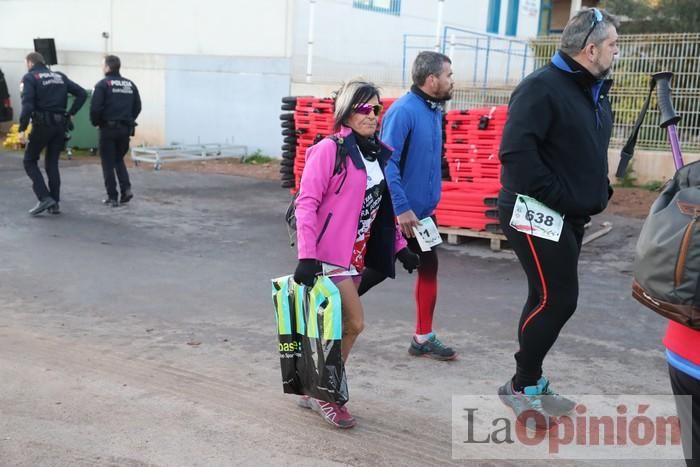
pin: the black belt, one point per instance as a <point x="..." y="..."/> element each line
<point x="48" y="119"/>
<point x="115" y="124"/>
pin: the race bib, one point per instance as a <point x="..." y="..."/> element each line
<point x="427" y="234"/>
<point x="534" y="218"/>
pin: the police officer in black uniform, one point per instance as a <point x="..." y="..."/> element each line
<point x="115" y="106"/>
<point x="44" y="101"/>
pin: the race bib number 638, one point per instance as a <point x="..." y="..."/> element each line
<point x="534" y="218"/>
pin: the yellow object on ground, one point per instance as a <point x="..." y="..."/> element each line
<point x="12" y="140"/>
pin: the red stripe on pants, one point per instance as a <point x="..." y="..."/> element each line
<point x="542" y="281"/>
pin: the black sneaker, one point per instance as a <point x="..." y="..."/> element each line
<point x="42" y="206"/>
<point x="55" y="209"/>
<point x="126" y="196"/>
<point x="553" y="403"/>
<point x="432" y="348"/>
<point x="110" y="202"/>
<point x="527" y="406"/>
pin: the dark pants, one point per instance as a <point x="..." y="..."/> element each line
<point x="114" y="144"/>
<point x="688" y="413"/>
<point x="552" y="275"/>
<point x="51" y="138"/>
<point x="426" y="285"/>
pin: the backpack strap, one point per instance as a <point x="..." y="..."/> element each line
<point x="341" y="153"/>
<point x="628" y="150"/>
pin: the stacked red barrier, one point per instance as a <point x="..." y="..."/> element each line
<point x="472" y="140"/>
<point x="313" y="120"/>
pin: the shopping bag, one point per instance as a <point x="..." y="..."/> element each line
<point x="309" y="328"/>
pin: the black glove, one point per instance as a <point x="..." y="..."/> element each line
<point x="306" y="271"/>
<point x="409" y="259"/>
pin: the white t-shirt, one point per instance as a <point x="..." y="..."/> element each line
<point x="376" y="185"/>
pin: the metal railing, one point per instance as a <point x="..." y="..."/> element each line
<point x="478" y="59"/>
<point x="469" y="98"/>
<point x="640" y="56"/>
<point x="493" y="59"/>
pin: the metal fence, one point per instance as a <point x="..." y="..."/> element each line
<point x="468" y="98"/>
<point x="486" y="58"/>
<point x="478" y="59"/>
<point x="640" y="56"/>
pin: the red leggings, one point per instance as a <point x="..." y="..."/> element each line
<point x="426" y="287"/>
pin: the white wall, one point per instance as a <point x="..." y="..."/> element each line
<point x="197" y="27"/>
<point x="349" y="41"/>
<point x="75" y="24"/>
<point x="204" y="27"/>
<point x="207" y="70"/>
<point x="212" y="69"/>
<point x="222" y="99"/>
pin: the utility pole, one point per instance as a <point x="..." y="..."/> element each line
<point x="310" y="42"/>
<point x="438" y="31"/>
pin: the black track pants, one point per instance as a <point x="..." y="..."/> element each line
<point x="552" y="275"/>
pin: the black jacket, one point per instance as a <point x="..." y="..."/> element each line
<point x="44" y="90"/>
<point x="555" y="141"/>
<point x="115" y="99"/>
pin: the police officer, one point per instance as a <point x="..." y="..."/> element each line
<point x="44" y="101"/>
<point x="115" y="106"/>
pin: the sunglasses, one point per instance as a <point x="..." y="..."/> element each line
<point x="597" y="18"/>
<point x="366" y="109"/>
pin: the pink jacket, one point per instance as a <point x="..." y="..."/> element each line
<point x="328" y="208"/>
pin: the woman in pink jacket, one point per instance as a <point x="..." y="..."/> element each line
<point x="345" y="219"/>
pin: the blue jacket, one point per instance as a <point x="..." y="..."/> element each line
<point x="420" y="185"/>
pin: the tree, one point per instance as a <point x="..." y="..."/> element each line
<point x="656" y="16"/>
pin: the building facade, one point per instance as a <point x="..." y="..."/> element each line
<point x="215" y="70"/>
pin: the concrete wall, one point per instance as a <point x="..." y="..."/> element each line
<point x="168" y="27"/>
<point x="226" y="100"/>
<point x="207" y="70"/>
<point x="649" y="166"/>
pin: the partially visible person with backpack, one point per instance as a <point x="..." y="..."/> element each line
<point x="683" y="355"/>
<point x="344" y="217"/>
<point x="667" y="266"/>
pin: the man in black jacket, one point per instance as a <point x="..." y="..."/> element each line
<point x="554" y="156"/>
<point x="115" y="105"/>
<point x="44" y="101"/>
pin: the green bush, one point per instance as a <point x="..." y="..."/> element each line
<point x="629" y="180"/>
<point x="256" y="158"/>
<point x="654" y="185"/>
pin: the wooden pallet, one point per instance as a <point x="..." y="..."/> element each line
<point x="455" y="236"/>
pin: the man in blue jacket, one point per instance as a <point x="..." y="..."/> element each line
<point x="413" y="127"/>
